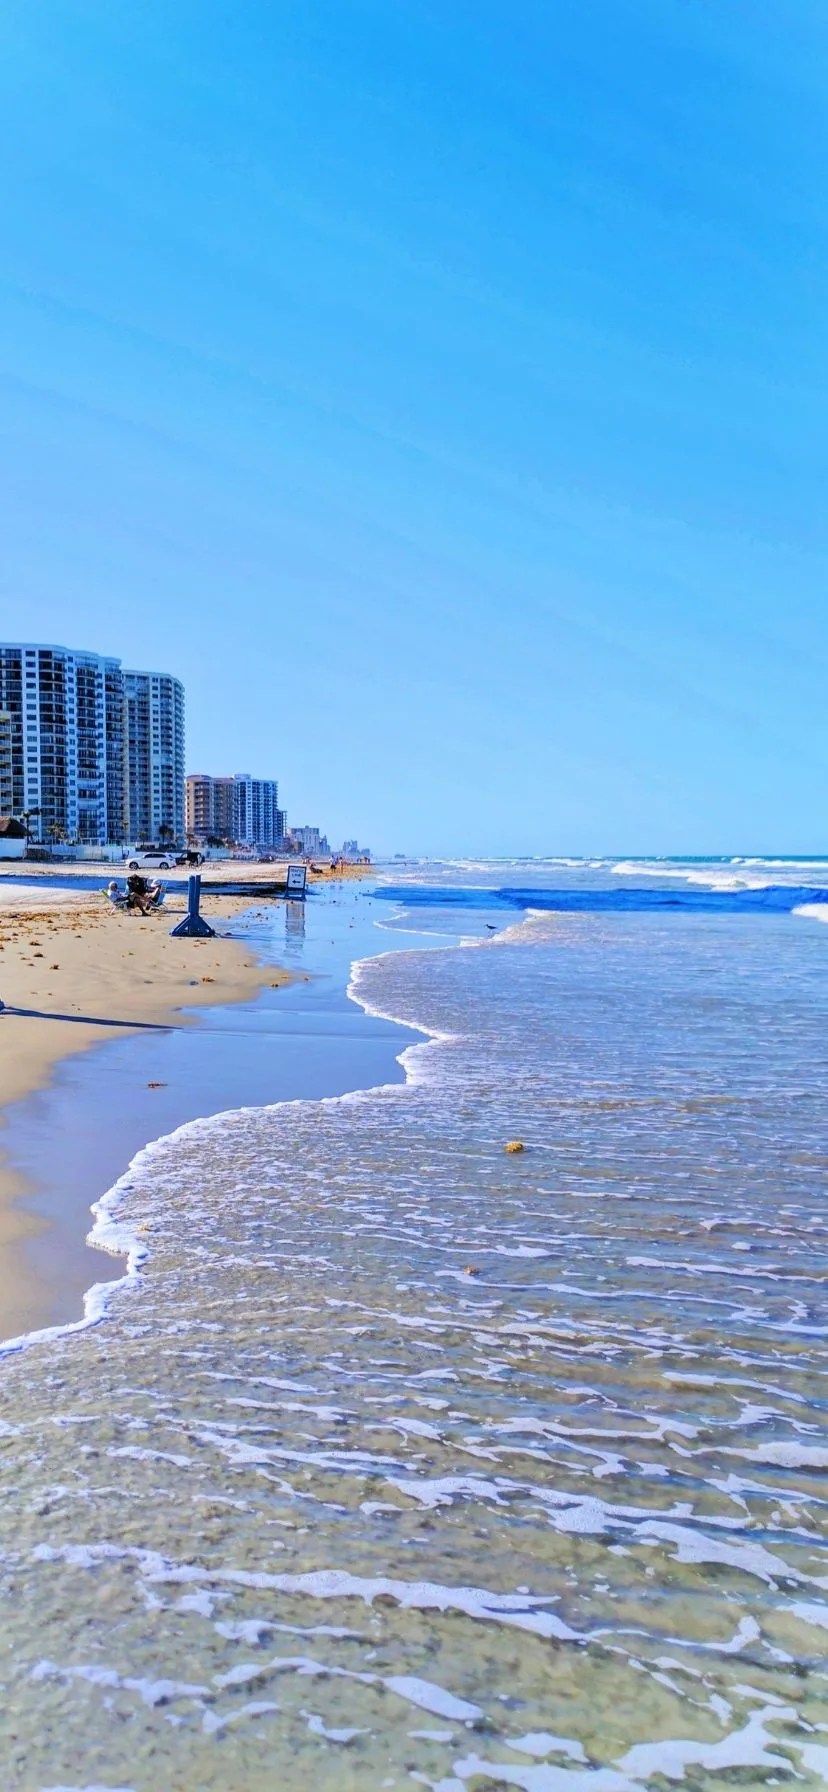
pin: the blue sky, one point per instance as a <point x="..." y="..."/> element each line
<point x="439" y="389"/>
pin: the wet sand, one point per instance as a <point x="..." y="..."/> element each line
<point x="290" y="1034"/>
<point x="75" y="973"/>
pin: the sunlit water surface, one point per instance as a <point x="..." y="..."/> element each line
<point x="407" y="1461"/>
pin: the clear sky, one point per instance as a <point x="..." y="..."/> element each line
<point x="438" y="387"/>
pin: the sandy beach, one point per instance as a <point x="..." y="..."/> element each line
<point x="73" y="970"/>
<point x="212" y="871"/>
<point x="74" y="973"/>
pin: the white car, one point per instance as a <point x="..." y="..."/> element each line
<point x="151" y="858"/>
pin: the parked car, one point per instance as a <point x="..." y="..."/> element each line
<point x="150" y="858"/>
<point x="190" y="857"/>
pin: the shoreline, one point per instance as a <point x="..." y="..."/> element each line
<point x="75" y="974"/>
<point x="117" y="1239"/>
<point x="71" y="1139"/>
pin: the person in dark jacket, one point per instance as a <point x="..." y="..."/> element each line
<point x="137" y="893"/>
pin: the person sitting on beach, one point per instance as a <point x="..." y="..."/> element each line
<point x="137" y="895"/>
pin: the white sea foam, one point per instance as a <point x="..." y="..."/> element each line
<point x="518" y="1611"/>
<point x="535" y="925"/>
<point x="813" y="911"/>
<point x="543" y="1778"/>
<point x="749" y="1558"/>
<point x="431" y="1698"/>
<point x="738" y="874"/>
<point x="214" y="1721"/>
<point x="393" y="1426"/>
<point x="788" y="1454"/>
<point x="748" y="1747"/>
<point x="810" y="1613"/>
<point x="541" y="1743"/>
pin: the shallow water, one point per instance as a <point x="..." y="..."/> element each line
<point x="409" y="1461"/>
<point x="305" y="1039"/>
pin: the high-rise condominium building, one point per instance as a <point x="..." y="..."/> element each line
<point x="154" y="705"/>
<point x="6" y="800"/>
<point x="224" y="808"/>
<point x="209" y="809"/>
<point x="256" y="811"/>
<point x="243" y="809"/>
<point x="67" y="741"/>
<point x="75" y="767"/>
<point x="311" y="841"/>
<point x="6" y="778"/>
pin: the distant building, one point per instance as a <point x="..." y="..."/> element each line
<point x="209" y="807"/>
<point x="256" y="811"/>
<point x="351" y="850"/>
<point x="310" y="842"/>
<point x="224" y="808"/>
<point x="241" y="809"/>
<point x="198" y="805"/>
<point x="154" y="707"/>
<point x="6" y="788"/>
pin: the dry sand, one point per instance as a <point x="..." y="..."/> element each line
<point x="75" y="972"/>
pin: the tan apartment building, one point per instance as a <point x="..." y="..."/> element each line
<point x="241" y="808"/>
<point x="209" y="806"/>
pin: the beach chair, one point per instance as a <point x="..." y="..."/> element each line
<point x="116" y="897"/>
<point x="157" y="900"/>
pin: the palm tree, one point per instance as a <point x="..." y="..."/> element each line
<point x="26" y="818"/>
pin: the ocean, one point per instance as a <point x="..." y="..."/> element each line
<point x="402" y="1460"/>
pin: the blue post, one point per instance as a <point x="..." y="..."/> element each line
<point x="193" y="926"/>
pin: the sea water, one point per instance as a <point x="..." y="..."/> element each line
<point x="400" y="1459"/>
